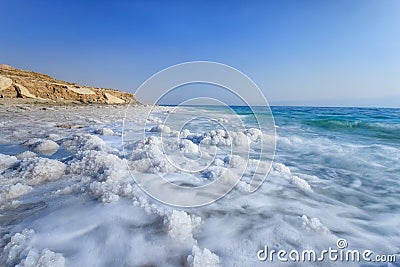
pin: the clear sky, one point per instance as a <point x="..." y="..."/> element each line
<point x="333" y="52"/>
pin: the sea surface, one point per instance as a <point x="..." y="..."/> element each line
<point x="69" y="197"/>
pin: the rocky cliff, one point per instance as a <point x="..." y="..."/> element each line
<point x="16" y="83"/>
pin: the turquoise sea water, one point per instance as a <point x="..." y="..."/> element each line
<point x="376" y="125"/>
<point x="347" y="145"/>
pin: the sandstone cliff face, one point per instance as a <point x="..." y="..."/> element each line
<point x="16" y="83"/>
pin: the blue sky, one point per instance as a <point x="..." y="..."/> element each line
<point x="338" y="52"/>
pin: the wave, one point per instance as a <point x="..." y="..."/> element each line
<point x="373" y="129"/>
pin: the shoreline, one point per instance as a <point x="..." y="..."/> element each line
<point x="6" y="101"/>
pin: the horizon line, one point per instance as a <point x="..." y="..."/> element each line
<point x="279" y="105"/>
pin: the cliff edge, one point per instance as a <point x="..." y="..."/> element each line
<point x="38" y="87"/>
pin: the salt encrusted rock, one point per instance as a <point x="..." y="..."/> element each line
<point x="205" y="257"/>
<point x="82" y="142"/>
<point x="100" y="165"/>
<point x="17" y="190"/>
<point x="105" y="131"/>
<point x="181" y="226"/>
<point x="295" y="180"/>
<point x="26" y="154"/>
<point x="187" y="146"/>
<point x="301" y="184"/>
<point x="18" y="252"/>
<point x="160" y="129"/>
<point x="37" y="170"/>
<point x="45" y="147"/>
<point x="313" y="224"/>
<point x="6" y="161"/>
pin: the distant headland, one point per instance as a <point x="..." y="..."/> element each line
<point x="33" y="87"/>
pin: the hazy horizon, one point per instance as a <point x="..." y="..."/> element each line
<point x="312" y="53"/>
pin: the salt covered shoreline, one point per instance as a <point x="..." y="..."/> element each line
<point x="64" y="155"/>
<point x="68" y="199"/>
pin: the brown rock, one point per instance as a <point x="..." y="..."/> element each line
<point x="16" y="83"/>
<point x="5" y="66"/>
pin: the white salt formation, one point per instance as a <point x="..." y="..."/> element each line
<point x="19" y="252"/>
<point x="6" y="161"/>
<point x="42" y="146"/>
<point x="105" y="131"/>
<point x="181" y="226"/>
<point x="35" y="171"/>
<point x="26" y="154"/>
<point x="200" y="258"/>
